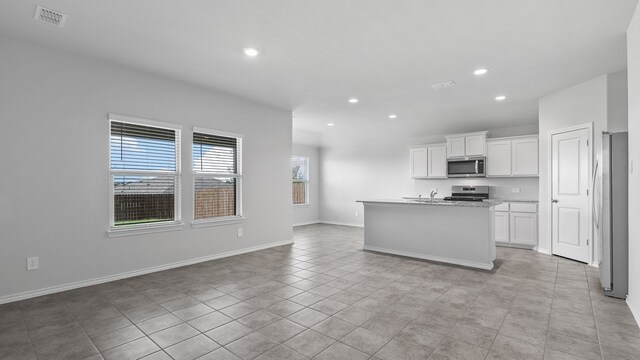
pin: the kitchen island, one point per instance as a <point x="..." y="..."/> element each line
<point x="458" y="232"/>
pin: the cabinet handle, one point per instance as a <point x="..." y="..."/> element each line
<point x="554" y="200"/>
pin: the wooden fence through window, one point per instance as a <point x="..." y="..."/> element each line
<point x="140" y="207"/>
<point x="299" y="192"/>
<point x="215" y="202"/>
<point x="209" y="203"/>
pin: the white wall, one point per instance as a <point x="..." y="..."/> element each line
<point x="595" y="101"/>
<point x="633" y="63"/>
<point x="309" y="213"/>
<point x="54" y="146"/>
<point x="381" y="171"/>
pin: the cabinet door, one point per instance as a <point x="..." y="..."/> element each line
<point x="524" y="157"/>
<point x="455" y="146"/>
<point x="418" y="159"/>
<point x="437" y="161"/>
<point x="499" y="158"/>
<point x="524" y="228"/>
<point x="501" y="220"/>
<point x="474" y="145"/>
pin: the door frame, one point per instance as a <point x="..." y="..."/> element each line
<point x="587" y="126"/>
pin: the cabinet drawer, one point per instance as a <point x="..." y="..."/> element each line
<point x="502" y="207"/>
<point x="524" y="207"/>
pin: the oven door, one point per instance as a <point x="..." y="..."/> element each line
<point x="466" y="167"/>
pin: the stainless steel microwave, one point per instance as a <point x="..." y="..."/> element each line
<point x="466" y="167"/>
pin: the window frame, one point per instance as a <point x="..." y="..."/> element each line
<point x="307" y="197"/>
<point x="220" y="220"/>
<point x="134" y="229"/>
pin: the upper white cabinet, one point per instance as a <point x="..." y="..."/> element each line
<point x="524" y="156"/>
<point x="499" y="157"/>
<point x="437" y="161"/>
<point x="428" y="161"/>
<point x="517" y="156"/>
<point x="455" y="146"/>
<point x="475" y="145"/>
<point x="461" y="145"/>
<point x="418" y="158"/>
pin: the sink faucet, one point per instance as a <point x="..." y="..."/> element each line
<point x="433" y="193"/>
<point x="419" y="197"/>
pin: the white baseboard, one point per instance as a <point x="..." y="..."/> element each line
<point x="307" y="223"/>
<point x="431" y="258"/>
<point x="543" y="251"/>
<point x="634" y="310"/>
<point x="341" y="223"/>
<point x="78" y="284"/>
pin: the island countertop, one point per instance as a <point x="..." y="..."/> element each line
<point x="436" y="202"/>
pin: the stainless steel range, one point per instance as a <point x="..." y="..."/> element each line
<point x="468" y="193"/>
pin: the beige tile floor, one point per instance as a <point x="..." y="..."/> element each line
<point x="324" y="298"/>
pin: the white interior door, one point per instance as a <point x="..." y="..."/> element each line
<point x="569" y="194"/>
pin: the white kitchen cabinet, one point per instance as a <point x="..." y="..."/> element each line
<point x="512" y="157"/>
<point x="498" y="157"/>
<point x="524" y="156"/>
<point x="516" y="224"/>
<point x="418" y="158"/>
<point x="437" y="161"/>
<point x="455" y="146"/>
<point x="475" y="145"/>
<point x="523" y="228"/>
<point x="501" y="219"/>
<point x="471" y="144"/>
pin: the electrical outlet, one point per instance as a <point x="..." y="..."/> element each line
<point x="33" y="263"/>
<point x="357" y="213"/>
<point x="515" y="190"/>
<point x="240" y="232"/>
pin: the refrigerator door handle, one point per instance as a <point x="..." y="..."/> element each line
<point x="596" y="215"/>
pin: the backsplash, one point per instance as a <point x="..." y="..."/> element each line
<point x="500" y="188"/>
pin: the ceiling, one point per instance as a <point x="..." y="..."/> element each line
<point x="315" y="54"/>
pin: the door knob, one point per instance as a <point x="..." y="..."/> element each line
<point x="554" y="200"/>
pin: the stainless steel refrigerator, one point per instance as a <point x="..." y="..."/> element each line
<point x="611" y="215"/>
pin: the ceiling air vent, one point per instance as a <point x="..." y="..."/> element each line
<point x="446" y="84"/>
<point x="50" y="16"/>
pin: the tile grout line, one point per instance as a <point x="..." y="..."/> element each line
<point x="553" y="298"/>
<point x="595" y="319"/>
<point x="24" y="322"/>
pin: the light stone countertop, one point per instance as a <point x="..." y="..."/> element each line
<point x="516" y="200"/>
<point x="436" y="202"/>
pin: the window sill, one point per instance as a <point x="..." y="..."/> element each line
<point x="218" y="222"/>
<point x="148" y="229"/>
<point x="302" y="205"/>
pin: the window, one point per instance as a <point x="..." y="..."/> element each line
<point x="300" y="178"/>
<point x="144" y="173"/>
<point x="217" y="172"/>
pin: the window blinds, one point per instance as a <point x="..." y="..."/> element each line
<point x="215" y="154"/>
<point x="140" y="147"/>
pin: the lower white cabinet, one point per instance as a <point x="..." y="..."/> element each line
<point x="523" y="228"/>
<point x="516" y="224"/>
<point x="502" y="226"/>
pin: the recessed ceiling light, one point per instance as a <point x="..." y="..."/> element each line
<point x="330" y="124"/>
<point x="481" y="71"/>
<point x="251" y="52"/>
<point x="393" y="116"/>
<point x="353" y="100"/>
<point x="500" y="97"/>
